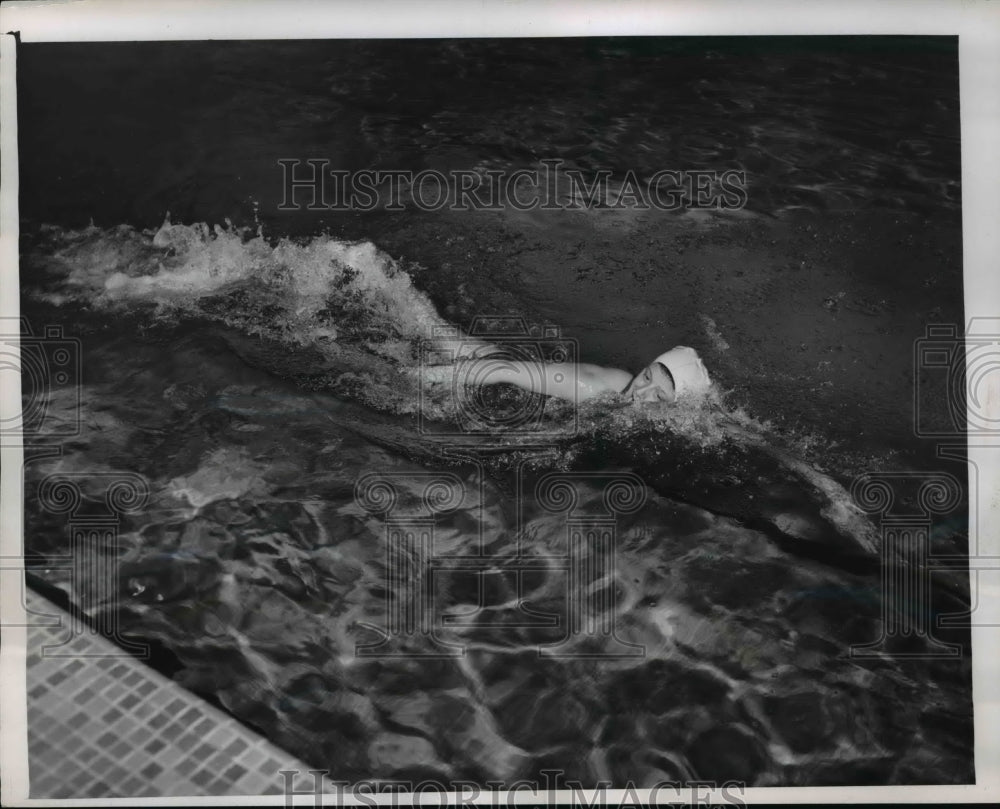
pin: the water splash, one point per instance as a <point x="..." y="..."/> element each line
<point x="312" y="292"/>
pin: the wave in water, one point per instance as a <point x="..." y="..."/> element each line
<point x="254" y="385"/>
<point x="346" y="319"/>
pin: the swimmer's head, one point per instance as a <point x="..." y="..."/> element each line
<point x="673" y="375"/>
<point x="653" y="383"/>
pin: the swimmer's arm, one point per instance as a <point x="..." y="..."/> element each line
<point x="562" y="380"/>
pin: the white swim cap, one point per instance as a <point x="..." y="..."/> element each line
<point x="687" y="369"/>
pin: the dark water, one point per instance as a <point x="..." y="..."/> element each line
<point x="123" y="132"/>
<point x="255" y="378"/>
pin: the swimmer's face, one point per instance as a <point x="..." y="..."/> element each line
<point x="652" y="384"/>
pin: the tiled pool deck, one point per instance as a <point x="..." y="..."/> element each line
<point x="102" y="724"/>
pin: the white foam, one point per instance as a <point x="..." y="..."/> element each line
<point x="179" y="265"/>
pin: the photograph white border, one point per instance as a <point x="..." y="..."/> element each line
<point x="977" y="24"/>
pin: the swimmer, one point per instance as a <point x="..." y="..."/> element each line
<point x="675" y="374"/>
